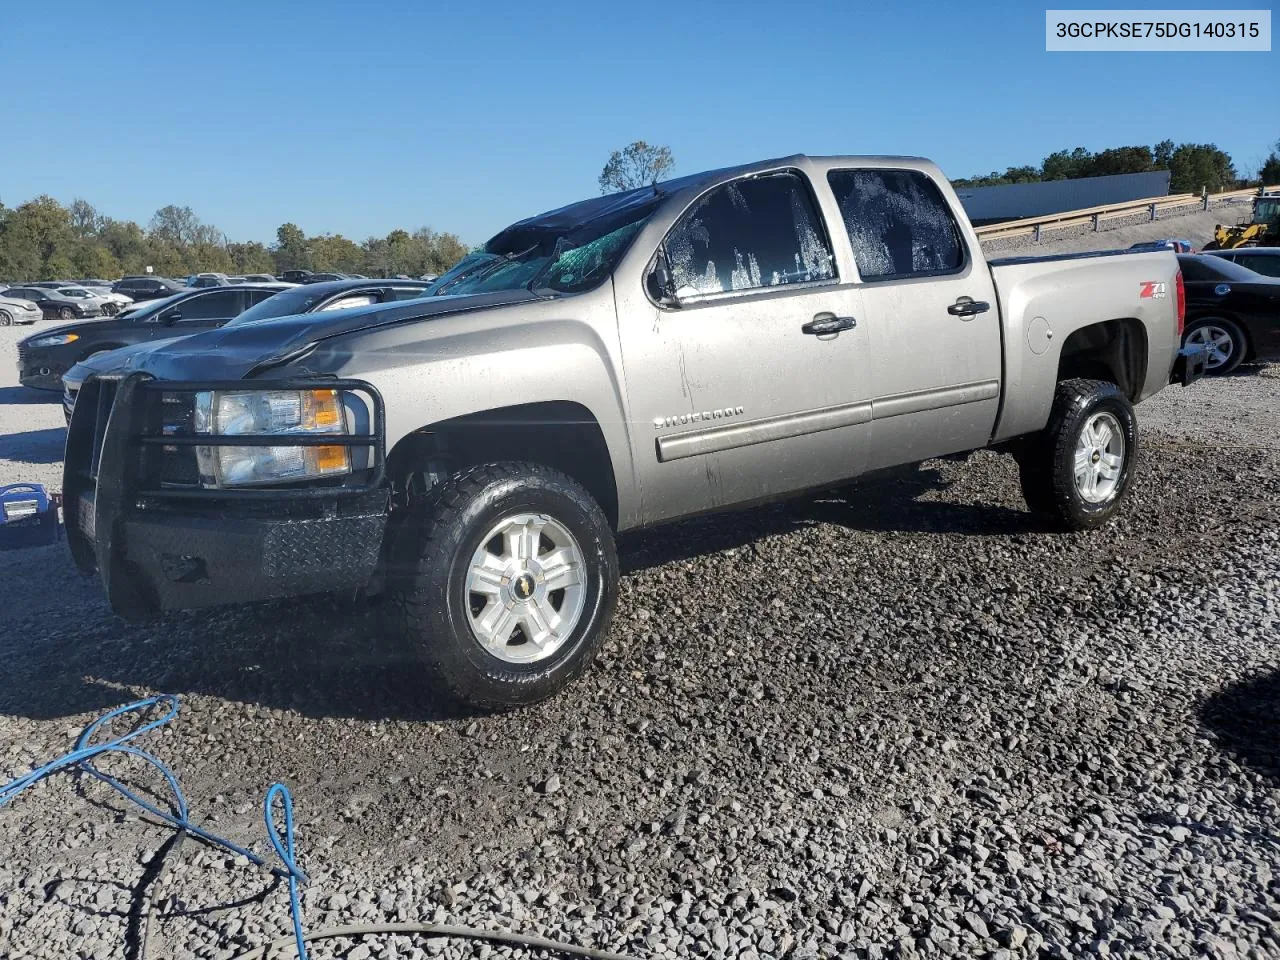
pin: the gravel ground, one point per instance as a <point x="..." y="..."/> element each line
<point x="1189" y="222"/>
<point x="898" y="721"/>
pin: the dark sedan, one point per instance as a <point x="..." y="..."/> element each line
<point x="1264" y="260"/>
<point x="1231" y="310"/>
<point x="46" y="356"/>
<point x="54" y="304"/>
<point x="147" y="288"/>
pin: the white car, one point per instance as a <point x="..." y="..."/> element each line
<point x="113" y="303"/>
<point x="14" y="311"/>
<point x="109" y="306"/>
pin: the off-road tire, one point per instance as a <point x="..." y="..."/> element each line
<point x="429" y="552"/>
<point x="1046" y="461"/>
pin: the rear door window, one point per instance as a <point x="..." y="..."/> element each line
<point x="219" y="305"/>
<point x="747" y="235"/>
<point x="898" y="224"/>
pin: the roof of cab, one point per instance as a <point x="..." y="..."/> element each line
<point x="585" y="211"/>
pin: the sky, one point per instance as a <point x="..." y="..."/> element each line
<point x="357" y="118"/>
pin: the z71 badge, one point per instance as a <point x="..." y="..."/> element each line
<point x="1152" y="290"/>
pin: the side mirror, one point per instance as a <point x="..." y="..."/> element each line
<point x="661" y="284"/>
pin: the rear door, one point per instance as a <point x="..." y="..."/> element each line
<point x="740" y="393"/>
<point x="931" y="316"/>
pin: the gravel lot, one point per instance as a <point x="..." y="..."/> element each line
<point x="1187" y="222"/>
<point x="899" y="721"/>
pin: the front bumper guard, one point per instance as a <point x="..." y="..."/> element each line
<point x="159" y="546"/>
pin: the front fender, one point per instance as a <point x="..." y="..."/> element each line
<point x="440" y="369"/>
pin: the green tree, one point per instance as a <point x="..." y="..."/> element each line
<point x="1064" y="165"/>
<point x="636" y="165"/>
<point x="1116" y="160"/>
<point x="1194" y="166"/>
<point x="37" y="241"/>
<point x="291" y="251"/>
<point x="126" y="243"/>
<point x="1163" y="153"/>
<point x="334" y="252"/>
<point x="251" y="257"/>
<point x="84" y="219"/>
<point x="1270" y="172"/>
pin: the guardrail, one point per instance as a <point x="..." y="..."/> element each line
<point x="1035" y="226"/>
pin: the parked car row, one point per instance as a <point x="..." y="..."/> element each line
<point x="62" y="358"/>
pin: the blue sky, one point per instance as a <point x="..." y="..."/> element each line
<point x="355" y="118"/>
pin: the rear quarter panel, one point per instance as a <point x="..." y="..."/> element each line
<point x="1060" y="296"/>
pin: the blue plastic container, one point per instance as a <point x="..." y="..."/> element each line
<point x="28" y="516"/>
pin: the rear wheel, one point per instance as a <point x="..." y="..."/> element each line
<point x="504" y="578"/>
<point x="1077" y="471"/>
<point x="1224" y="340"/>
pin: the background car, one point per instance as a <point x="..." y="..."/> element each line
<point x="311" y="298"/>
<point x="209" y="280"/>
<point x="1263" y="260"/>
<point x="259" y="278"/>
<point x="44" y="357"/>
<point x="296" y="276"/>
<point x="106" y="304"/>
<point x="1177" y="246"/>
<point x="147" y="288"/>
<point x="14" y="310"/>
<point x="54" y="304"/>
<point x="1231" y="310"/>
<point x="113" y="303"/>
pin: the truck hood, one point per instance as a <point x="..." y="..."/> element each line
<point x="231" y="352"/>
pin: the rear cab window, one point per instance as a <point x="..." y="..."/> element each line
<point x="752" y="234"/>
<point x="899" y="224"/>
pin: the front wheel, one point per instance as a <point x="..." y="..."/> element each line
<point x="504" y="578"/>
<point x="1223" y="339"/>
<point x="6" y="318"/>
<point x="1077" y="471"/>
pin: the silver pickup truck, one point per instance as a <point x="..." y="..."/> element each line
<point x="713" y="341"/>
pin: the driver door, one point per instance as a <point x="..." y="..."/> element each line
<point x="752" y="382"/>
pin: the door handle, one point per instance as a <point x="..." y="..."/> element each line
<point x="828" y="324"/>
<point x="968" y="307"/>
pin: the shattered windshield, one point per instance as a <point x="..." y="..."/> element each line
<point x="556" y="251"/>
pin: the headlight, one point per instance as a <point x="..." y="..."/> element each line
<point x="257" y="412"/>
<point x="58" y="340"/>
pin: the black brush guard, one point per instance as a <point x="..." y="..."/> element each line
<point x="161" y="543"/>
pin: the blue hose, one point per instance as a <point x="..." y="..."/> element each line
<point x="86" y="751"/>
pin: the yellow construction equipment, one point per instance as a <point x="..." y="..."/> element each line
<point x="1262" y="230"/>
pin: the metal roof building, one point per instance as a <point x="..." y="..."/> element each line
<point x="1015" y="200"/>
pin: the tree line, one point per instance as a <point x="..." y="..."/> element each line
<point x="1191" y="166"/>
<point x="44" y="240"/>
